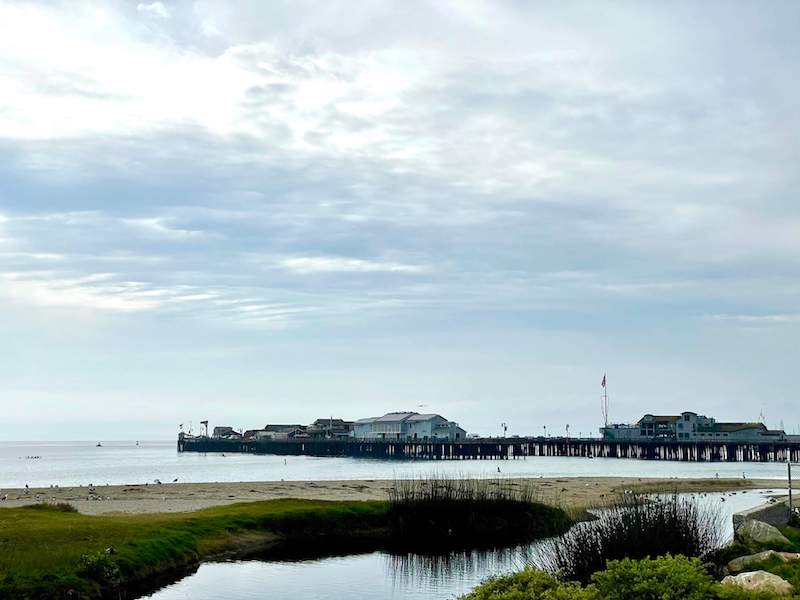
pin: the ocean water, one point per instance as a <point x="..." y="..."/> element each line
<point x="41" y="464"/>
<point x="376" y="574"/>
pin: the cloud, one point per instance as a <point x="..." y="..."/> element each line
<point x="158" y="227"/>
<point x="154" y="9"/>
<point x="334" y="264"/>
<point x="501" y="170"/>
<point x="776" y="319"/>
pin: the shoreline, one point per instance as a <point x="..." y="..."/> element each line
<point x="571" y="492"/>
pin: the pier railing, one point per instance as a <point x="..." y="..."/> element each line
<point x="504" y="449"/>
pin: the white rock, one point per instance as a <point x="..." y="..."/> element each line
<point x="760" y="581"/>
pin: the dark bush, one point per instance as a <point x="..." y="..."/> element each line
<point x="53" y="506"/>
<point x="635" y="527"/>
<point x="453" y="511"/>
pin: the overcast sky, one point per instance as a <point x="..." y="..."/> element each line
<point x="263" y="212"/>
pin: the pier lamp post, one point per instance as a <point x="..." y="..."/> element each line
<point x="545" y="430"/>
<point x="505" y="428"/>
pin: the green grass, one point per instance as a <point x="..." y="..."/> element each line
<point x="45" y="552"/>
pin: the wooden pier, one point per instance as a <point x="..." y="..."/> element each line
<point x="504" y="449"/>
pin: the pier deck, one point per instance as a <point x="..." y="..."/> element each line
<point x="504" y="449"/>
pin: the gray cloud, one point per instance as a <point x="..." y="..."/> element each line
<point x="479" y="167"/>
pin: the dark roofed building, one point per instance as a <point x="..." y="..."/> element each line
<point x="330" y="428"/>
<point x="689" y="426"/>
<point x="276" y="428"/>
<point x="225" y="432"/>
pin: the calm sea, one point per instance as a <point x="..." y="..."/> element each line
<point x="40" y="464"/>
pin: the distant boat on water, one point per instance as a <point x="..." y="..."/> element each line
<point x="99" y="445"/>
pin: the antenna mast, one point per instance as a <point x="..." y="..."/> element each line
<point x="604" y="401"/>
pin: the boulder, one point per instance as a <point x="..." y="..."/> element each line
<point x="757" y="532"/>
<point x="742" y="563"/>
<point x="760" y="581"/>
<point x="787" y="556"/>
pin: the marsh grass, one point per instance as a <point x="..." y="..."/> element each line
<point x="635" y="527"/>
<point x="46" y="552"/>
<point x="52" y="506"/>
<point x="475" y="512"/>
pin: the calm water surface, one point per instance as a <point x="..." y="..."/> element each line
<point x="373" y="575"/>
<point x="79" y="463"/>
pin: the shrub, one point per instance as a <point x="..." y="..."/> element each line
<point x="52" y="506"/>
<point x="530" y="584"/>
<point x="666" y="578"/>
<point x="637" y="528"/>
<point x="99" y="566"/>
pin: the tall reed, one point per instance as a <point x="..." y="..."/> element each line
<point x="438" y="511"/>
<point x="635" y="527"/>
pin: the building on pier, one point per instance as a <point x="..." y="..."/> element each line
<point x="226" y="433"/>
<point x="331" y="429"/>
<point x="408" y="426"/>
<point x="690" y="427"/>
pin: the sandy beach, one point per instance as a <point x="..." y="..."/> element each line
<point x="176" y="497"/>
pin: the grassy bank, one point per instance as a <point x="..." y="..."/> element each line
<point x="50" y="551"/>
<point x="46" y="552"/>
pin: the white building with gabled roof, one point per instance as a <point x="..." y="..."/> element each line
<point x="408" y="426"/>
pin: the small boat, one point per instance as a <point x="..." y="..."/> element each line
<point x="99" y="445"/>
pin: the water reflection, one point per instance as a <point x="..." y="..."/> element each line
<point x="363" y="574"/>
<point x="409" y="568"/>
<point x="355" y="577"/>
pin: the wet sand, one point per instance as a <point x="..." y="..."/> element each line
<point x="577" y="492"/>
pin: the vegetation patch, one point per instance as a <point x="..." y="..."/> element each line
<point x="449" y="512"/>
<point x="664" y="578"/>
<point x="635" y="527"/>
<point x="49" y="551"/>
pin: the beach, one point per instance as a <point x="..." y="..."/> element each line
<point x="574" y="492"/>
